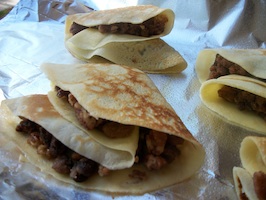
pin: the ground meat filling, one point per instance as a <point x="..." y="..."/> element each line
<point x="222" y="67"/>
<point x="244" y="100"/>
<point x="259" y="180"/>
<point x="157" y="149"/>
<point x="65" y="161"/>
<point x="109" y="128"/>
<point x="150" y="27"/>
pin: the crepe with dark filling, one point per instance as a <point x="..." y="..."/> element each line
<point x="237" y="99"/>
<point x="214" y="63"/>
<point x="121" y="98"/>
<point x="250" y="179"/>
<point x="126" y="24"/>
<point x="126" y="36"/>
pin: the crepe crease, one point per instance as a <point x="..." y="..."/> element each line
<point x="229" y="111"/>
<point x="253" y="61"/>
<point x="253" y="159"/>
<point x="112" y="92"/>
<point x="38" y="109"/>
<point x="127" y="96"/>
<point x="150" y="54"/>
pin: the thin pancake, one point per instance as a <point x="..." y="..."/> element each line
<point x="128" y="96"/>
<point x="152" y="56"/>
<point x="118" y="182"/>
<point x="250" y="180"/>
<point x="251" y="60"/>
<point x="253" y="154"/>
<point x="38" y="109"/>
<point x="118" y="93"/>
<point x="229" y="111"/>
<point x="131" y="14"/>
<point x="244" y="184"/>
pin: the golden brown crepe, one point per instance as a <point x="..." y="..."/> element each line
<point x="250" y="180"/>
<point x="134" y="180"/>
<point x="127" y="96"/>
<point x="253" y="61"/>
<point x="148" y="53"/>
<point x="250" y="95"/>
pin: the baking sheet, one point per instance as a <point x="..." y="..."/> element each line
<point x="33" y="32"/>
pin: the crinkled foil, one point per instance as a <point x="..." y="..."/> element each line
<point x="33" y="33"/>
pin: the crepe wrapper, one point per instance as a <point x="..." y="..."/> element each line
<point x="150" y="54"/>
<point x="38" y="28"/>
<point x="102" y="89"/>
<point x="229" y="111"/>
<point x="253" y="159"/>
<point x="251" y="60"/>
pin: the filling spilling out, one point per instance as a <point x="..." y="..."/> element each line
<point x="150" y="27"/>
<point x="155" y="149"/>
<point x="223" y="67"/>
<point x="244" y="100"/>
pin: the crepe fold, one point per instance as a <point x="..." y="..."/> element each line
<point x="152" y="56"/>
<point x="38" y="109"/>
<point x="252" y="61"/>
<point x="131" y="15"/>
<point x="127" y="96"/>
<point x="237" y="99"/>
<point x="250" y="180"/>
<point x="148" y="53"/>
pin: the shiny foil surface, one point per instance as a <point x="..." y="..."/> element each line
<point x="33" y="33"/>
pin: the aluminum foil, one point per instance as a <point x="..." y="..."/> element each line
<point x="33" y="33"/>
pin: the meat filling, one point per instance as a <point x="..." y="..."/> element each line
<point x="259" y="180"/>
<point x="244" y="100"/>
<point x="109" y="128"/>
<point x="150" y="27"/>
<point x="65" y="161"/>
<point x="222" y="67"/>
<point x="157" y="149"/>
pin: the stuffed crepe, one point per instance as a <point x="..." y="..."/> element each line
<point x="62" y="150"/>
<point x="167" y="152"/>
<point x="127" y="24"/>
<point x="250" y="180"/>
<point x="213" y="63"/>
<point x="126" y="36"/>
<point x="240" y="100"/>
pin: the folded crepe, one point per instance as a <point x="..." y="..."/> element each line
<point x="250" y="180"/>
<point x="36" y="114"/>
<point x="152" y="56"/>
<point x="115" y="96"/>
<point x="127" y="24"/>
<point x="237" y="99"/>
<point x="126" y="36"/>
<point x="213" y="63"/>
<point x="39" y="110"/>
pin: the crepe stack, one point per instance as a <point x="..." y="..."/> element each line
<point x="154" y="149"/>
<point x="127" y="36"/>
<point x="233" y="85"/>
<point x="250" y="179"/>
